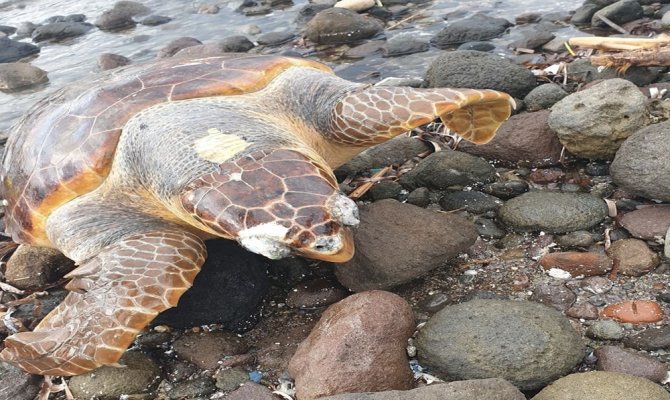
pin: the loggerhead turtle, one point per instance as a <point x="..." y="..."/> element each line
<point x="129" y="173"/>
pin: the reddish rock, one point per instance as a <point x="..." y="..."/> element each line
<point x="648" y="223"/>
<point x="578" y="263"/>
<point x="524" y="137"/>
<point x="616" y="359"/>
<point x="108" y="61"/>
<point x="634" y="311"/>
<point x="584" y="310"/>
<point x="558" y="296"/>
<point x="544" y="176"/>
<point x="634" y="257"/>
<point x="357" y="346"/>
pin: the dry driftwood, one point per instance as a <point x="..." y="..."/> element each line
<point x="622" y="53"/>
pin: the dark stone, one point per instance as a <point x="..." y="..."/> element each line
<point x="654" y="338"/>
<point x="419" y="197"/>
<point x="447" y="168"/>
<point x="402" y="45"/>
<point x="472" y="201"/>
<point x="476" y="28"/>
<point x="110" y="61"/>
<point x="272" y="39"/>
<point x="228" y="290"/>
<point x="505" y="190"/>
<point x="584" y="14"/>
<point x="176" y="45"/>
<point x="154" y="20"/>
<point x="488" y="229"/>
<point x="385" y="190"/>
<point x="557" y="296"/>
<point x="544" y="96"/>
<point x="114" y="20"/>
<point x="478" y="70"/>
<point x="478" y="46"/>
<point x="620" y="12"/>
<point x="16" y="384"/>
<point x="339" y="26"/>
<point x="7" y="30"/>
<point x="60" y="30"/>
<point x="308" y="11"/>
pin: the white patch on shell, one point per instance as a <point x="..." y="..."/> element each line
<point x="265" y="239"/>
<point x="219" y="147"/>
<point x="236" y="176"/>
<point x="344" y="210"/>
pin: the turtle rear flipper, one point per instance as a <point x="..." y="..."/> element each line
<point x="374" y="115"/>
<point x="118" y="292"/>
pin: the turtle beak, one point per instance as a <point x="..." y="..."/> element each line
<point x="342" y="251"/>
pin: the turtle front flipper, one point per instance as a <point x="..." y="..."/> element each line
<point x="373" y="115"/>
<point x="114" y="296"/>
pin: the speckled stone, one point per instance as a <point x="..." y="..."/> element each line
<point x="601" y="385"/>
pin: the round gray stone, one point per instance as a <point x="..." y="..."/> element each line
<point x="594" y="123"/>
<point x="640" y="165"/>
<point x="601" y="385"/>
<point x="109" y="383"/>
<point x="544" y="96"/>
<point x="526" y="343"/>
<point x="552" y="212"/>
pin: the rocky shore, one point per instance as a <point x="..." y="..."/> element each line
<point x="536" y="266"/>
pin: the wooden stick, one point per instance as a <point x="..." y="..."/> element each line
<point x="361" y="190"/>
<point x="642" y="58"/>
<point x="612" y="24"/>
<point x="614" y="43"/>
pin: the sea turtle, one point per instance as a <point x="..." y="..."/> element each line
<point x="127" y="174"/>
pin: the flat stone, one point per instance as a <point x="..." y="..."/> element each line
<point x="544" y="96"/>
<point x="578" y="264"/>
<point x="654" y="338"/>
<point x="634" y="311"/>
<point x="648" y="223"/>
<point x="474" y="202"/>
<point x="108" y="61"/>
<point x="489" y="389"/>
<point x="315" y="293"/>
<point x="16" y="384"/>
<point x="583" y="310"/>
<point x="616" y="359"/>
<point x="552" y="212"/>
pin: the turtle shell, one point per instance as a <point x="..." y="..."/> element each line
<point x="65" y="144"/>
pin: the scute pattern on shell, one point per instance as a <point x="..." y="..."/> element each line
<point x="64" y="147"/>
<point x="281" y="186"/>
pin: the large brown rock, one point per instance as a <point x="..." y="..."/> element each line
<point x="524" y="138"/>
<point x="649" y="223"/>
<point x="398" y="242"/>
<point x="339" y="25"/>
<point x="634" y="257"/>
<point x="32" y="267"/>
<point x="357" y="346"/>
<point x="616" y="359"/>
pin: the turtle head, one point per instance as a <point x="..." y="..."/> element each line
<point x="276" y="203"/>
<point x="319" y="232"/>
